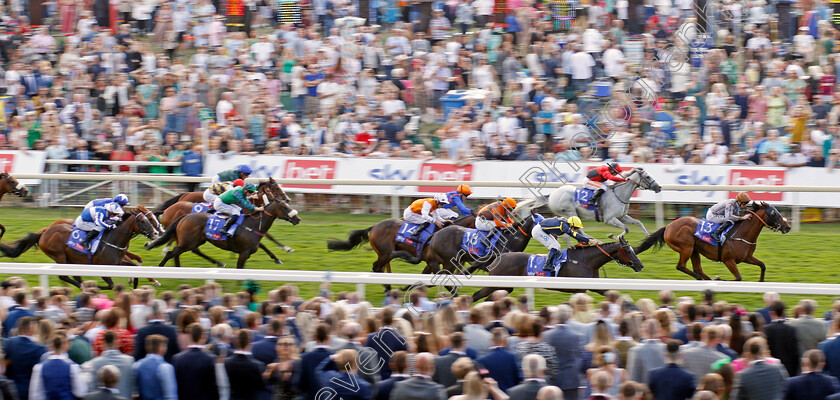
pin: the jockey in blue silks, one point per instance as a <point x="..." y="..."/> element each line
<point x="456" y="199"/>
<point x="96" y="219"/>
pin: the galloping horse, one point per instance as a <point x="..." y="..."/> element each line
<point x="613" y="204"/>
<point x="181" y="208"/>
<point x="112" y="249"/>
<point x="679" y="235"/>
<point x="8" y="184"/>
<point x="582" y="262"/>
<point x="198" y="197"/>
<point x="188" y="231"/>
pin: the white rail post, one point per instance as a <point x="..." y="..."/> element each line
<point x="360" y="288"/>
<point x="796" y="215"/>
<point x="660" y="211"/>
<point x="395" y="205"/>
<point x="532" y="298"/>
<point x="44" y="281"/>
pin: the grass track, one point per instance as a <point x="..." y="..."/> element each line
<point x="810" y="256"/>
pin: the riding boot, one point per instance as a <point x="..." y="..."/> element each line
<point x="549" y="262"/>
<point x="90" y="235"/>
<point x="228" y="224"/>
<point x="722" y="228"/>
<point x="416" y="235"/>
<point x="593" y="201"/>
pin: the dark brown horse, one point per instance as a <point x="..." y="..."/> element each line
<point x="8" y="184"/>
<point x="188" y="231"/>
<point x="581" y="262"/>
<point x="679" y="235"/>
<point x="198" y="197"/>
<point x="112" y="249"/>
<point x="181" y="208"/>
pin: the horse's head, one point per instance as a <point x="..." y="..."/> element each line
<point x="142" y="223"/>
<point x="271" y="186"/>
<point x="644" y="180"/>
<point x="158" y="227"/>
<point x="280" y="209"/>
<point x="626" y="257"/>
<point x="9" y="184"/>
<point x="772" y="219"/>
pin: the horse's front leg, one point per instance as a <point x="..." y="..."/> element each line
<point x="630" y="220"/>
<point x="754" y="261"/>
<point x="285" y="248"/>
<point x="616" y="223"/>
<point x="270" y="254"/>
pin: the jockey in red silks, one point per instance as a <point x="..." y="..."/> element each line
<point x="596" y="178"/>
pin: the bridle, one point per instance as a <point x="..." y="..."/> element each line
<point x="16" y="187"/>
<point x="271" y="183"/>
<point x="774" y="228"/>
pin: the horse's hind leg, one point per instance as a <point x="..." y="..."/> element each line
<point x="483" y="293"/>
<point x="630" y="220"/>
<point x="208" y="258"/>
<point x="696" y="265"/>
<point x="754" y="261"/>
<point x="616" y="223"/>
<point x="70" y="280"/>
<point x="684" y="256"/>
<point x="110" y="283"/>
<point x="270" y="254"/>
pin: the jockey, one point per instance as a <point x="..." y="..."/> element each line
<point x="232" y="202"/>
<point x="216" y="189"/>
<point x="456" y="200"/>
<point x="422" y="212"/>
<point x="121" y="200"/>
<point x="726" y="213"/>
<point x="240" y="172"/>
<point x="597" y="176"/>
<point x="495" y="215"/>
<point x="94" y="219"/>
<point x="547" y="231"/>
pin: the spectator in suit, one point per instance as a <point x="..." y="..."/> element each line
<point x="567" y="345"/>
<point x="672" y="382"/>
<point x="762" y="380"/>
<point x="460" y="368"/>
<point x="699" y="359"/>
<point x="195" y="369"/>
<point x="311" y="359"/>
<point x="398" y="365"/>
<point x="244" y="372"/>
<point x="533" y="368"/>
<point x="782" y="339"/>
<point x="420" y="386"/>
<point x="385" y="342"/>
<point x="623" y="342"/>
<point x="19" y="310"/>
<point x="265" y="349"/>
<point x="339" y="368"/>
<point x="114" y="357"/>
<point x="500" y="362"/>
<point x="157" y="326"/>
<point x="551" y="393"/>
<point x="498" y="311"/>
<point x="109" y="376"/>
<point x="724" y="337"/>
<point x="769" y="298"/>
<point x="809" y="330"/>
<point x="22" y="354"/>
<point x="648" y="355"/>
<point x="443" y="364"/>
<point x="476" y="336"/>
<point x="812" y="384"/>
<point x="831" y="348"/>
<point x="57" y="377"/>
<point x="154" y="378"/>
<point x="81" y="153"/>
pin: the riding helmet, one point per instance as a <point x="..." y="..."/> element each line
<point x="249" y="187"/>
<point x="244" y="169"/>
<point x="613" y="167"/>
<point x="239" y="183"/>
<point x="121" y="199"/>
<point x="441" y="198"/>
<point x="510" y="202"/>
<point x="575" y="222"/>
<point x="743" y="198"/>
<point x="464" y="189"/>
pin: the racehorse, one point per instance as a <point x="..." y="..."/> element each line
<point x="613" y="204"/>
<point x="383" y="240"/>
<point x="198" y="197"/>
<point x="679" y="235"/>
<point x="581" y="262"/>
<point x="8" y="184"/>
<point x="181" y="208"/>
<point x="112" y="251"/>
<point x="188" y="231"/>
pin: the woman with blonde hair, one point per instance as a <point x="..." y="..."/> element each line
<point x="601" y="337"/>
<point x="476" y="388"/>
<point x="46" y="330"/>
<point x="582" y="305"/>
<point x="606" y="360"/>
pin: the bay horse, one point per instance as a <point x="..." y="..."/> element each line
<point x="581" y="262"/>
<point x="679" y="235"/>
<point x="188" y="231"/>
<point x="8" y="184"/>
<point x="112" y="249"/>
<point x="182" y="208"/>
<point x="198" y="197"/>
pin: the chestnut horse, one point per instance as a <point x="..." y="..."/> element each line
<point x="112" y="250"/>
<point x="8" y="184"/>
<point x="679" y="235"/>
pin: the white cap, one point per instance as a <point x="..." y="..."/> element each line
<point x="690" y="98"/>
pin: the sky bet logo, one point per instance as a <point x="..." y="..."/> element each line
<point x="445" y="173"/>
<point x="746" y="177"/>
<point x="309" y="169"/>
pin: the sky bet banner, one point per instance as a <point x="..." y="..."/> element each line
<point x="450" y="175"/>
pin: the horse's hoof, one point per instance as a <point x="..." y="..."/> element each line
<point x="221" y="265"/>
<point x="611" y="236"/>
<point x="156" y="283"/>
<point x="147" y="244"/>
<point x="289" y="249"/>
<point x="717" y="278"/>
<point x="278" y="262"/>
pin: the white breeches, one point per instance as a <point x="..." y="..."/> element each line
<point x="229" y="209"/>
<point x="484" y="225"/>
<point x="444" y="214"/>
<point x="414" y="218"/>
<point x="718" y="219"/>
<point x="87" y="226"/>
<point x="545" y="239"/>
<point x="209" y="196"/>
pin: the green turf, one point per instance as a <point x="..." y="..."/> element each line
<point x="810" y="256"/>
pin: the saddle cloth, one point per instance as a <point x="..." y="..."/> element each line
<point x="537" y="261"/>
<point x="198" y="208"/>
<point x="75" y="241"/>
<point x="706" y="228"/>
<point x="582" y="196"/>
<point x="407" y="229"/>
<point x="477" y="243"/>
<point x="215" y="223"/>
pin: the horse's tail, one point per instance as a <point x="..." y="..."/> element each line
<point x="21" y="246"/>
<point x="161" y="208"/>
<point x="657" y="239"/>
<point x="355" y="239"/>
<point x="531" y="204"/>
<point x="167" y="234"/>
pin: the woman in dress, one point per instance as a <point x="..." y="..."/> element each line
<point x="281" y="372"/>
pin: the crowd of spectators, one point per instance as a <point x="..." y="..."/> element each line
<point x="755" y="94"/>
<point x="200" y="343"/>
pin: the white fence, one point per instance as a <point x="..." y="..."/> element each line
<point x="361" y="279"/>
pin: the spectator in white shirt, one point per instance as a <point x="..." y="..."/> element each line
<point x="613" y="60"/>
<point x="582" y="64"/>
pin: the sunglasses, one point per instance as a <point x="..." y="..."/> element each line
<point x="285" y="344"/>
